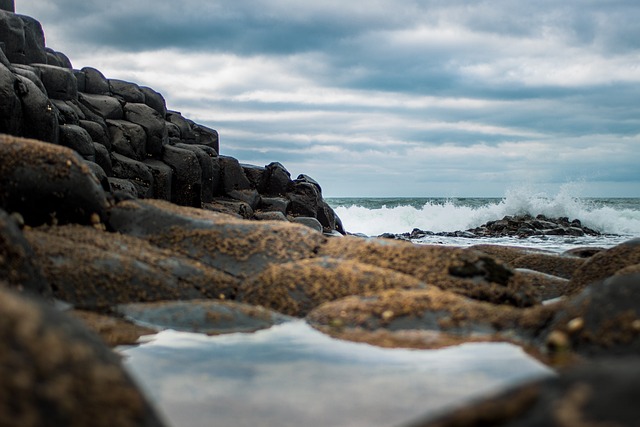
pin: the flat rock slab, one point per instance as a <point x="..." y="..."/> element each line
<point x="203" y="316"/>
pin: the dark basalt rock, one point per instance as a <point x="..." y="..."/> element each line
<point x="206" y="136"/>
<point x="12" y="34"/>
<point x="60" y="82"/>
<point x="98" y="133"/>
<point x="128" y="139"/>
<point x="10" y="107"/>
<point x="312" y="223"/>
<point x="79" y="140"/>
<point x="154" y="100"/>
<point x="8" y="5"/>
<point x="66" y="114"/>
<point x="39" y="118"/>
<point x="153" y="124"/>
<point x="186" y="134"/>
<point x="46" y="183"/>
<point x="103" y="158"/>
<point x="162" y="178"/>
<point x="106" y="107"/>
<point x="17" y="260"/>
<point x="137" y="172"/>
<point x="278" y="180"/>
<point x="127" y="91"/>
<point x="95" y="82"/>
<point x="34" y="48"/>
<point x="209" y="168"/>
<point x="53" y="372"/>
<point x="593" y="394"/>
<point x="187" y="176"/>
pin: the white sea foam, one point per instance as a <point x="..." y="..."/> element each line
<point x="604" y="215"/>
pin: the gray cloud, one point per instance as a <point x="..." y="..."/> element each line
<point x="375" y="97"/>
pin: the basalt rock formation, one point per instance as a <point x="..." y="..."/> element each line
<point x="128" y="138"/>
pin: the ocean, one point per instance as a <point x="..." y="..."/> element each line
<point x="618" y="219"/>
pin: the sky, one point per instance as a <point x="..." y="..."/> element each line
<point x="380" y="98"/>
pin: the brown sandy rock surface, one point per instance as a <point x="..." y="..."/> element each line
<point x="53" y="372"/>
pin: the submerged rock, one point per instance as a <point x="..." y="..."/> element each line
<point x="203" y="316"/>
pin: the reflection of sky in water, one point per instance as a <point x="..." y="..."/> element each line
<point x="292" y="375"/>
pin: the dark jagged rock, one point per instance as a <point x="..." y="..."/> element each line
<point x="512" y="226"/>
<point x="103" y="158"/>
<point x="154" y="100"/>
<point x="46" y="183"/>
<point x="186" y="133"/>
<point x="95" y="82"/>
<point x="8" y="5"/>
<point x="209" y="170"/>
<point x="278" y="180"/>
<point x="10" y="107"/>
<point x="53" y="372"/>
<point x="34" y="47"/>
<point x="162" y="178"/>
<point x="206" y="136"/>
<point x="39" y="118"/>
<point x="67" y="115"/>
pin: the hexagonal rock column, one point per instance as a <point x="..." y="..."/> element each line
<point x="8" y="5"/>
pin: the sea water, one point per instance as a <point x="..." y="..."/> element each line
<point x="618" y="219"/>
<point x="292" y="375"/>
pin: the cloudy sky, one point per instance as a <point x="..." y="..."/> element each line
<point x="386" y="98"/>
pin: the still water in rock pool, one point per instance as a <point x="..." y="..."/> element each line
<point x="293" y="375"/>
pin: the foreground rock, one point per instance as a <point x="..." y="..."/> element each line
<point x="602" y="393"/>
<point x="53" y="373"/>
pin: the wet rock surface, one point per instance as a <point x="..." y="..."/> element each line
<point x="511" y="226"/>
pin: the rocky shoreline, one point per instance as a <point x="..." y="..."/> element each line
<point x="113" y="208"/>
<point x="520" y="226"/>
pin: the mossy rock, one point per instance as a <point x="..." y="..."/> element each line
<point x="48" y="183"/>
<point x="295" y="288"/>
<point x="431" y="310"/>
<point x="95" y="269"/>
<point x="53" y="372"/>
<point x="605" y="264"/>
<point x="241" y="248"/>
<point x="557" y="265"/>
<point x="17" y="260"/>
<point x="466" y="272"/>
<point x="603" y="320"/>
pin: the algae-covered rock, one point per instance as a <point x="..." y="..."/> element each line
<point x="17" y="260"/>
<point x="463" y="271"/>
<point x="606" y="263"/>
<point x="53" y="372"/>
<point x="602" y="393"/>
<point x="95" y="269"/>
<point x="432" y="310"/>
<point x="557" y="265"/>
<point x="48" y="183"/>
<point x="203" y="316"/>
<point x="295" y="288"/>
<point x="604" y="319"/>
<point x="238" y="247"/>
